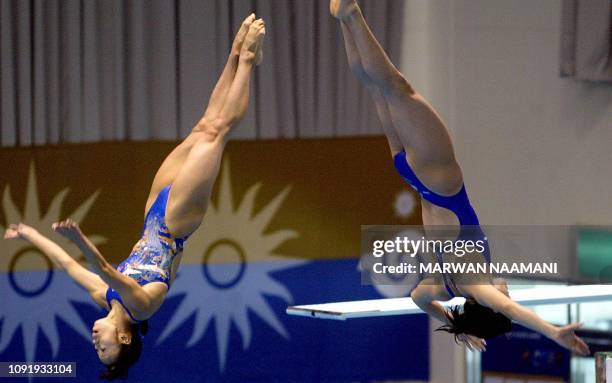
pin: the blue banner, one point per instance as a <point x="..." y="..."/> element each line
<point x="235" y="331"/>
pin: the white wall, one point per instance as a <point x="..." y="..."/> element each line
<point x="535" y="148"/>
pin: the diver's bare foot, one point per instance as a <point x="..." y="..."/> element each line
<point x="259" y="52"/>
<point x="341" y="9"/>
<point x="242" y="32"/>
<point x="253" y="41"/>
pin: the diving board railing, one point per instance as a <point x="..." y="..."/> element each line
<point x="548" y="295"/>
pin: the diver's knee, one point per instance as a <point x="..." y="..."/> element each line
<point x="209" y="129"/>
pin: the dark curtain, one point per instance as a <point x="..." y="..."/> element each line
<point x="586" y="39"/>
<point x="101" y="70"/>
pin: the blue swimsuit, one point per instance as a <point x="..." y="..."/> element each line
<point x="458" y="203"/>
<point x="152" y="257"/>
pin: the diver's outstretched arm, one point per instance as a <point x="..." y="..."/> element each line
<point x="134" y="296"/>
<point x="489" y="296"/>
<point x="91" y="282"/>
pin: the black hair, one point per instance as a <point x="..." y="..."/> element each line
<point x="476" y="320"/>
<point x="128" y="355"/>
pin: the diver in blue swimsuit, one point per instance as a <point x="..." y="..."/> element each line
<point x="424" y="156"/>
<point x="177" y="202"/>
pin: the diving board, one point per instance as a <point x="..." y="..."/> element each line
<point x="548" y="295"/>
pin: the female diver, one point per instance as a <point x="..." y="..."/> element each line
<point x="423" y="155"/>
<point x="177" y="202"/>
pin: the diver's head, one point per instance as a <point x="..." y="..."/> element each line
<point x="476" y="320"/>
<point x="118" y="344"/>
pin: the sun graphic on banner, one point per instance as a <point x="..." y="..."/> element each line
<point x="32" y="292"/>
<point x="226" y="269"/>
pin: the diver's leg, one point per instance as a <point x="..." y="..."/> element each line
<point x="169" y="169"/>
<point x="417" y="126"/>
<point x="219" y="93"/>
<point x="194" y="182"/>
<point x="354" y="61"/>
<point x="373" y="58"/>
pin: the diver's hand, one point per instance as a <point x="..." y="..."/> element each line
<point x="472" y="343"/>
<point x="69" y="229"/>
<point x="19" y="231"/>
<point x="567" y="338"/>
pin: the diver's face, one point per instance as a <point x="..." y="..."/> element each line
<point x="105" y="340"/>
